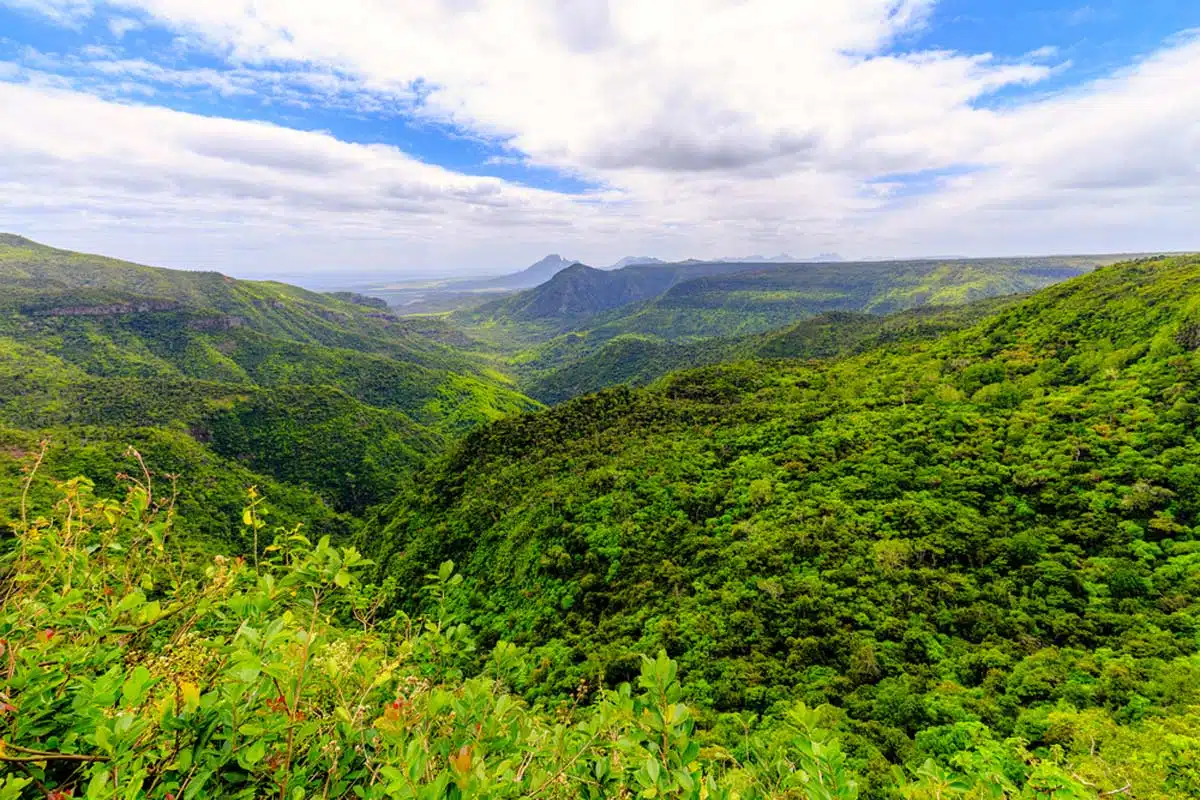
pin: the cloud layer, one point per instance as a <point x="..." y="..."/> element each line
<point x="704" y="126"/>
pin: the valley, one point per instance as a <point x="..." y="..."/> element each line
<point x="926" y="514"/>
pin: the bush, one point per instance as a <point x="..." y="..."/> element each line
<point x="134" y="671"/>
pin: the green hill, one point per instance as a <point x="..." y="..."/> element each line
<point x="956" y="541"/>
<point x="579" y="363"/>
<point x="166" y="673"/>
<point x="327" y="392"/>
<point x="580" y="291"/>
<point x="689" y="301"/>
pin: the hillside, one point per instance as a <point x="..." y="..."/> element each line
<point x="955" y="558"/>
<point x="579" y="363"/>
<point x="168" y="673"/>
<point x="759" y="299"/>
<point x="699" y="300"/>
<point x="330" y="393"/>
<point x="577" y="294"/>
<point x="955" y="542"/>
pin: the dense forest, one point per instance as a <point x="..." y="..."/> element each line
<point x="954" y="542"/>
<point x="872" y="533"/>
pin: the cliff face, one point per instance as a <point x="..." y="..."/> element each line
<point x="109" y="309"/>
<point x="216" y="323"/>
<point x="220" y="322"/>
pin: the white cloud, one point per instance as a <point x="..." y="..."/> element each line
<point x="119" y="26"/>
<point x="715" y="125"/>
<point x="144" y="168"/>
<point x="69" y="12"/>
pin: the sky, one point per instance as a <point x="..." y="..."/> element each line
<point x="404" y="138"/>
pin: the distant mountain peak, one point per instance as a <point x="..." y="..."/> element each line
<point x="533" y="275"/>
<point x="782" y="258"/>
<point x="635" y="261"/>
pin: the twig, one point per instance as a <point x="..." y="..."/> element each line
<point x="146" y="472"/>
<point x="51" y="757"/>
<point x="29" y="482"/>
<point x="571" y="762"/>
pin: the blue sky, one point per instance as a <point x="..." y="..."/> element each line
<point x="1096" y="38"/>
<point x="473" y="136"/>
<point x="443" y="144"/>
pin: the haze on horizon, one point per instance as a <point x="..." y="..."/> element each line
<point x="475" y="136"/>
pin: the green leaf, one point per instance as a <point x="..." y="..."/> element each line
<point x="102" y="736"/>
<point x="98" y="785"/>
<point x="255" y="752"/>
<point x="133" y="691"/>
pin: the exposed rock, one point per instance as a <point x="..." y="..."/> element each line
<point x="216" y="323"/>
<point x="109" y="309"/>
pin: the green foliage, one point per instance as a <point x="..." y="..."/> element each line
<point x="950" y="540"/>
<point x="576" y="364"/>
<point x="136" y="672"/>
<point x="327" y="393"/>
<point x="956" y="560"/>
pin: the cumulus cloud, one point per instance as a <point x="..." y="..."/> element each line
<point x="708" y="124"/>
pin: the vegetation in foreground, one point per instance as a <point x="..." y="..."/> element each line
<point x="134" y="671"/>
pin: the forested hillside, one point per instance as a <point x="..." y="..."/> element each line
<point x="578" y="292"/>
<point x="587" y="329"/>
<point x="579" y="363"/>
<point x="329" y="394"/>
<point x="696" y="300"/>
<point x="137" y="669"/>
<point x="956" y="542"/>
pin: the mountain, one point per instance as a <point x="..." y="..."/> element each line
<point x="758" y="298"/>
<point x="952" y="541"/>
<point x="696" y="300"/>
<point x="331" y="394"/>
<point x="581" y="292"/>
<point x="529" y="277"/>
<point x="633" y="261"/>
